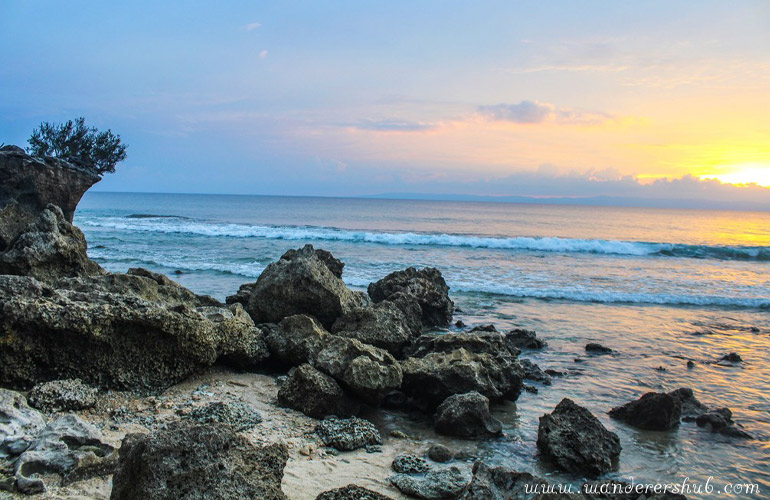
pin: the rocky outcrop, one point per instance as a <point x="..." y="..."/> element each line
<point x="437" y="484"/>
<point x="200" y="461"/>
<point x="466" y="415"/>
<point x="351" y="492"/>
<point x="125" y="331"/>
<point x="62" y="395"/>
<point x="315" y="394"/>
<point x="426" y="287"/>
<point x="653" y="411"/>
<point x="29" y="184"/>
<point x="303" y="281"/>
<point x="430" y="379"/>
<point x="384" y="325"/>
<point x="347" y="434"/>
<point x="575" y="441"/>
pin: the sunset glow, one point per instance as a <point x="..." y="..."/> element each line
<point x="755" y="173"/>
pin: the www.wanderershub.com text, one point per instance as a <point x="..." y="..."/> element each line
<point x="685" y="487"/>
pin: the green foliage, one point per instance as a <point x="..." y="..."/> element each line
<point x="73" y="141"/>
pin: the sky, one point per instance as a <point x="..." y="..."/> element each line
<point x="653" y="99"/>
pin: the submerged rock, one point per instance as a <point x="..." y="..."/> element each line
<point x="653" y="411"/>
<point x="347" y="434"/>
<point x="575" y="441"/>
<point x="437" y="484"/>
<point x="351" y="492"/>
<point x="691" y="408"/>
<point x="315" y="394"/>
<point x="304" y="281"/>
<point x="733" y="357"/>
<point x="197" y="461"/>
<point x="426" y="287"/>
<point x="466" y="415"/>
<point x="598" y="349"/>
<point x="62" y="395"/>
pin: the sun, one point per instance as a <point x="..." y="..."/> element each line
<point x="747" y="173"/>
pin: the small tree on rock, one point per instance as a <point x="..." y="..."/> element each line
<point x="74" y="142"/>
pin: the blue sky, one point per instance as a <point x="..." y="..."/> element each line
<point x="559" y="98"/>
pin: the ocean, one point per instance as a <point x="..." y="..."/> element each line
<point x="658" y="286"/>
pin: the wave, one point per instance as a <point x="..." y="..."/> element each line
<point x="164" y="224"/>
<point x="155" y="216"/>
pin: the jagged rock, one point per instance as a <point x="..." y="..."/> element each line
<point x="430" y="379"/>
<point x="481" y="342"/>
<point x="653" y="411"/>
<point x="302" y="281"/>
<point x="351" y="492"/>
<point x="574" y="440"/>
<point x="440" y="453"/>
<point x="48" y="249"/>
<point x="69" y="448"/>
<point x="523" y="339"/>
<point x="426" y="287"/>
<point x="598" y="348"/>
<point x="383" y="325"/>
<point x="124" y="331"/>
<point x="197" y="461"/>
<point x="62" y="395"/>
<point x="691" y="408"/>
<point x="410" y="464"/>
<point x="29" y="184"/>
<point x="19" y="424"/>
<point x="347" y="434"/>
<point x="315" y="394"/>
<point x="534" y="373"/>
<point x="236" y="414"/>
<point x="466" y="415"/>
<point x="296" y="340"/>
<point x="437" y="484"/>
<point x="499" y="483"/>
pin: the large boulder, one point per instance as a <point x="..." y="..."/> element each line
<point x="199" y="461"/>
<point x="430" y="379"/>
<point x="466" y="415"/>
<point x="315" y="394"/>
<point x="425" y="286"/>
<point x="384" y="325"/>
<point x="124" y="331"/>
<point x="575" y="441"/>
<point x="29" y="184"/>
<point x="304" y="281"/>
<point x="653" y="411"/>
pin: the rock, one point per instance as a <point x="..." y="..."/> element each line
<point x="48" y="249"/>
<point x="690" y="364"/>
<point x="733" y="357"/>
<point x="484" y="328"/>
<point x="62" y="395"/>
<point x="351" y="492"/>
<point x="197" y="461"/>
<point x="653" y="411"/>
<point x="598" y="349"/>
<point x="523" y="339"/>
<point x="69" y="448"/>
<point x="481" y="342"/>
<point x="303" y="281"/>
<point x="691" y="408"/>
<point x="410" y="464"/>
<point x="348" y="434"/>
<point x="459" y="324"/>
<point x="466" y="415"/>
<point x="534" y="373"/>
<point x="436" y="484"/>
<point x="716" y="419"/>
<point x="499" y="483"/>
<point x="531" y="389"/>
<point x="29" y="184"/>
<point x="315" y="394"/>
<point x="384" y="325"/>
<point x="440" y="453"/>
<point x="430" y="379"/>
<point x="122" y="331"/>
<point x="574" y="440"/>
<point x="19" y="424"/>
<point x="296" y="340"/>
<point x="736" y="432"/>
<point x="237" y="414"/>
<point x="426" y="287"/>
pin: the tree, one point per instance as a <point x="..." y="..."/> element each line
<point x="73" y="141"/>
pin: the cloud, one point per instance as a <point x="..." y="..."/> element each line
<point x="529" y="112"/>
<point x="263" y="54"/>
<point x="252" y="26"/>
<point x="395" y="126"/>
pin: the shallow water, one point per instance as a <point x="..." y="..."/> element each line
<point x="658" y="286"/>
